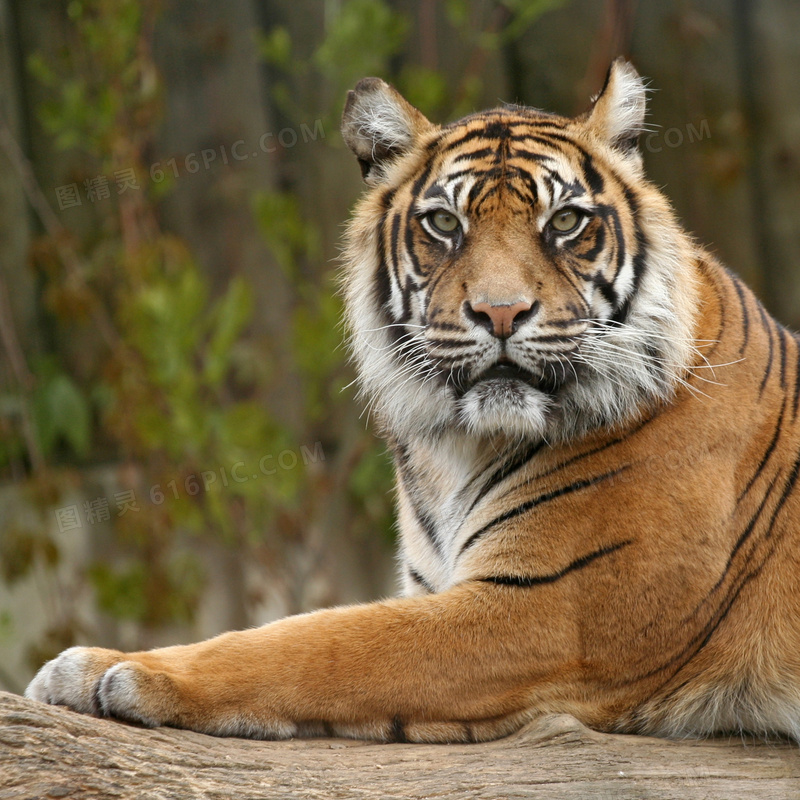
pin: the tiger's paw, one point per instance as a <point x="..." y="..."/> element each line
<point x="102" y="683"/>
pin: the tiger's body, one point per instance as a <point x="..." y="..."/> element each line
<point x="596" y="435"/>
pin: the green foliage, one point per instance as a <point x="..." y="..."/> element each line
<point x="20" y="549"/>
<point x="425" y="89"/>
<point x="317" y="349"/>
<point x="101" y="83"/>
<point x="369" y="486"/>
<point x="125" y="592"/>
<point x="176" y="394"/>
<point x="60" y="411"/>
<point x="524" y="14"/>
<point x="291" y="238"/>
<point x="275" y="47"/>
<point x="361" y="39"/>
<point x="179" y="395"/>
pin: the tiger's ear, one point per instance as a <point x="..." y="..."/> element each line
<point x="618" y="112"/>
<point x="378" y="125"/>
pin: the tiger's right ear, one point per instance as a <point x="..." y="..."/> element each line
<point x="378" y="125"/>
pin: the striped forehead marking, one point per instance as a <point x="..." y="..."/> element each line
<point x="522" y="149"/>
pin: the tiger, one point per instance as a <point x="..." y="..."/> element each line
<point x="595" y="432"/>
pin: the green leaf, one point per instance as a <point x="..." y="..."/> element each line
<point x="62" y="414"/>
<point x="361" y="40"/>
<point x="231" y="315"/>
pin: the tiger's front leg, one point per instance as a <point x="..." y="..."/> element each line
<point x="448" y="667"/>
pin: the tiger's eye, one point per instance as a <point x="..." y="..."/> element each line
<point x="444" y="221"/>
<point x="565" y="220"/>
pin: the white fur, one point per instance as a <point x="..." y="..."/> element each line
<point x="383" y="122"/>
<point x="119" y="694"/>
<point x="623" y="105"/>
<point x="62" y="681"/>
<point x="519" y="412"/>
<point x="760" y="706"/>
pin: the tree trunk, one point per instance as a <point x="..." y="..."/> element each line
<point x="47" y="751"/>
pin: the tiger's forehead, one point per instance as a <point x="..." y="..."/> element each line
<point x="494" y="120"/>
<point x="524" y="154"/>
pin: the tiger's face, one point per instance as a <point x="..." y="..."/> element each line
<point x="500" y="276"/>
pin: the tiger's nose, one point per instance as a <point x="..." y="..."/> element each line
<point x="500" y="320"/>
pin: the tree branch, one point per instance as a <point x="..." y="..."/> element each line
<point x="50" y="752"/>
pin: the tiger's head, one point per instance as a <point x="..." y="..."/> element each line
<point x="512" y="273"/>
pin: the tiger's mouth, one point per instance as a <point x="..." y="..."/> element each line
<point x="506" y="372"/>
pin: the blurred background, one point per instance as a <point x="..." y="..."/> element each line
<point x="180" y="449"/>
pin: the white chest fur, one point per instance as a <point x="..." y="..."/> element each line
<point x="437" y="484"/>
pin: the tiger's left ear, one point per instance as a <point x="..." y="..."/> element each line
<point x="617" y="115"/>
<point x="379" y="125"/>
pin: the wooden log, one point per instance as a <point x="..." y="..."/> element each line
<point x="49" y="752"/>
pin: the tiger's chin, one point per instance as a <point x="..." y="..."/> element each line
<point x="504" y="407"/>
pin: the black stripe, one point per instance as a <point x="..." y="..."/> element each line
<point x="410" y="244"/>
<point x="737" y="284"/>
<point x="621" y="250"/>
<point x="744" y="536"/>
<point x="383" y="284"/>
<point x="782" y="345"/>
<point x="787" y="490"/>
<point x="497" y="129"/>
<point x="398" y="731"/>
<point x="475" y="155"/>
<point x="564" y="464"/>
<point x="480" y="132"/>
<point x="609" y="293"/>
<point x="528" y="155"/>
<point x="593" y="177"/>
<point x="435" y="191"/>
<point x="420" y="581"/>
<point x="768" y="327"/>
<point x="476" y="133"/>
<point x="539" y="580"/>
<point x="539" y="500"/>
<point x="548" y="137"/>
<point x="422" y="517"/>
<point x="451" y="343"/>
<point x="506" y="469"/>
<point x="597" y="247"/>
<point x="639" y="262"/>
<point x="416" y="189"/>
<point x="768" y="452"/>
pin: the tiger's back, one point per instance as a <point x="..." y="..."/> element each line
<point x="595" y="430"/>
